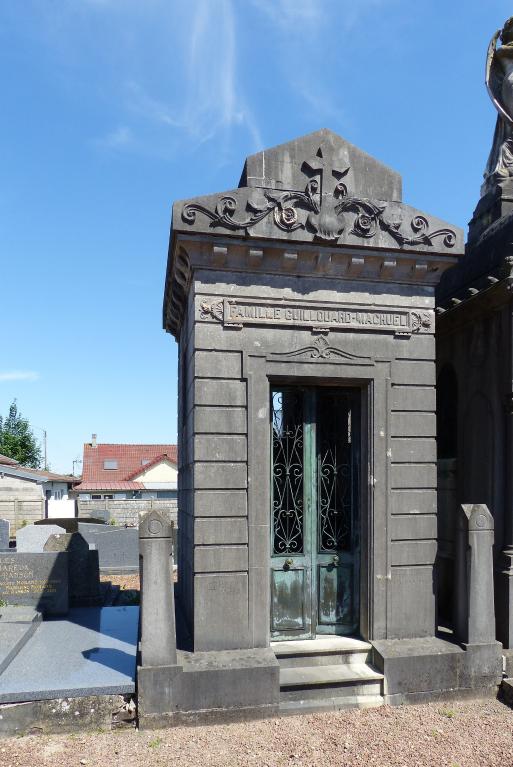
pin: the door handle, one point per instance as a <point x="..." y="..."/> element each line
<point x="288" y="563"/>
<point x="336" y="559"/>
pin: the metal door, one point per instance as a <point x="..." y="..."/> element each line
<point x="315" y="459"/>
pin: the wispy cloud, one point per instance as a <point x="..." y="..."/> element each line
<point x="212" y="101"/>
<point x="18" y="375"/>
<point x="119" y="138"/>
<point x="291" y="13"/>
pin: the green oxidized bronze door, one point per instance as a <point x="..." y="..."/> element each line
<point x="315" y="462"/>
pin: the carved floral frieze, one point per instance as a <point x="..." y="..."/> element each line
<point x="324" y="210"/>
<point x="321" y="349"/>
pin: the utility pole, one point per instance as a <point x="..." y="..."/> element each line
<point x="44" y="445"/>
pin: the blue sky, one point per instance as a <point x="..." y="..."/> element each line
<point x="112" y="109"/>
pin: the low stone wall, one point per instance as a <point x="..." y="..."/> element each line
<point x="21" y="512"/>
<point x="127" y="512"/>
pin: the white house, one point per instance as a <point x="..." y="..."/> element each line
<point x="28" y="494"/>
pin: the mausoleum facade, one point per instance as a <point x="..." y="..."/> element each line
<point x="303" y="305"/>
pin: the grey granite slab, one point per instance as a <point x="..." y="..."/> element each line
<point x="19" y="614"/>
<point x="4" y="534"/>
<point x="92" y="652"/>
<point x="32" y="538"/>
<point x="17" y="625"/>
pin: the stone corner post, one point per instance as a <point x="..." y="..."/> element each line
<point x="474" y="598"/>
<point x="158" y="632"/>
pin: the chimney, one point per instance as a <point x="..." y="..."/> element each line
<point x="93" y="440"/>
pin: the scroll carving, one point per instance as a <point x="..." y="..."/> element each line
<point x="319" y="210"/>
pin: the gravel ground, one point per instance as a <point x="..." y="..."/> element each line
<point x="478" y="734"/>
<point x="123" y="581"/>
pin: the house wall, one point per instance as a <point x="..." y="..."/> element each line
<point x="21" y="500"/>
<point x="224" y="437"/>
<point x="162" y="472"/>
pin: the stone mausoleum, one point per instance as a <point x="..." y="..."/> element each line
<point x="303" y="304"/>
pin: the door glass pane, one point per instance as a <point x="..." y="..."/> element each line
<point x="287" y="471"/>
<point x="334" y="471"/>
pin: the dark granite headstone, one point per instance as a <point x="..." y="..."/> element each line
<point x="4" y="534"/>
<point x="83" y="568"/>
<point x="118" y="547"/>
<point x="70" y="524"/>
<point x="39" y="580"/>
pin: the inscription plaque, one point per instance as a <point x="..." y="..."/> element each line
<point x="38" y="580"/>
<point x="250" y="312"/>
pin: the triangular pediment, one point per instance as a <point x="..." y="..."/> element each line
<point x="322" y="154"/>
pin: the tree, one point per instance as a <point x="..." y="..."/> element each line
<point x="17" y="440"/>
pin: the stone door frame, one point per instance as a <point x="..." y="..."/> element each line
<point x="314" y="365"/>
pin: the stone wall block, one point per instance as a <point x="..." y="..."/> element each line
<point x="413" y="424"/>
<point x="413" y="475"/>
<point x="211" y="476"/>
<point x="414" y="398"/>
<point x="214" y="364"/>
<point x="219" y="420"/>
<point x="219" y="392"/>
<point x="413" y="501"/>
<point x="220" y="503"/>
<point x="229" y="447"/>
<point x="411" y="450"/>
<point x="212" y="559"/>
<point x="413" y="526"/>
<point x="412" y="552"/>
<point x="208" y="532"/>
<point x="420" y="373"/>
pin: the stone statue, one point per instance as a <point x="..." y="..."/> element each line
<point x="499" y="81"/>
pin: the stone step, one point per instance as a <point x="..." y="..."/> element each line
<point x="325" y="651"/>
<point x="340" y="680"/>
<point x="291" y="707"/>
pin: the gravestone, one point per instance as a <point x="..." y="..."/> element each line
<point x="83" y="568"/>
<point x="70" y="524"/>
<point x="39" y="580"/>
<point x="4" y="534"/>
<point x="32" y="538"/>
<point x="474" y="614"/>
<point x="118" y="547"/>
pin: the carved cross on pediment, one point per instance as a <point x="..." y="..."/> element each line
<point x="329" y="182"/>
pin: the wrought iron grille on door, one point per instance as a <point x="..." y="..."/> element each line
<point x="315" y="458"/>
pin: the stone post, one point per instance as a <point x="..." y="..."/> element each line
<point x="474" y="597"/>
<point x="158" y="634"/>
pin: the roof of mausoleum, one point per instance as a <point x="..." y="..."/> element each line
<point x="316" y="205"/>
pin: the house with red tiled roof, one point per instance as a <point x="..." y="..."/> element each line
<point x="116" y="471"/>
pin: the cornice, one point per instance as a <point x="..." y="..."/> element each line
<point x="191" y="253"/>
